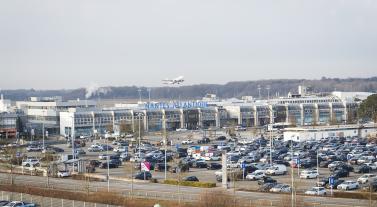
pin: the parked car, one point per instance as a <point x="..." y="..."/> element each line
<point x="94" y="148"/>
<point x="31" y="162"/>
<point x="214" y="166"/>
<point x="63" y="173"/>
<point x="258" y="174"/>
<point x="322" y="182"/>
<point x="277" y="170"/>
<point x="371" y="187"/>
<point x="188" y="141"/>
<point x="362" y="169"/>
<point x="335" y="185"/>
<point x="266" y="187"/>
<point x="281" y="188"/>
<point x="316" y="191"/>
<point x="348" y="185"/>
<point x="20" y="204"/>
<point x="143" y="176"/>
<point x="191" y="178"/>
<point x="309" y="174"/>
<point x="366" y="178"/>
<point x="104" y="165"/>
<point x="121" y="149"/>
<point x="266" y="180"/>
<point x="204" y="140"/>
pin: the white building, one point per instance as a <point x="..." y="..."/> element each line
<point x="5" y="105"/>
<point x="45" y="111"/>
<point x="352" y="95"/>
<point x="302" y="134"/>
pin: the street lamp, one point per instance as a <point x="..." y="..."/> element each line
<point x="139" y="115"/>
<point x="73" y="141"/>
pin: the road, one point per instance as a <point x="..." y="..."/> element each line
<point x="167" y="192"/>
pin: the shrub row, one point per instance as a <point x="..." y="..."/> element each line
<point x="190" y="183"/>
<point x="111" y="198"/>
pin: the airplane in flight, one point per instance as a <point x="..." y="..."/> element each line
<point x="177" y="80"/>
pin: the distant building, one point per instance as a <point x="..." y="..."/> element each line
<point x="351" y="95"/>
<point x="8" y="125"/>
<point x="45" y="111"/>
<point x="302" y="134"/>
<point x="5" y="105"/>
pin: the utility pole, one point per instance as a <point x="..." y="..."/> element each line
<point x="149" y="95"/>
<point x="259" y="88"/>
<point x="268" y="91"/>
<point x="108" y="163"/>
<point x="292" y="178"/>
<point x="139" y="90"/>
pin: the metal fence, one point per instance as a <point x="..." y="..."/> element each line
<point x="46" y="201"/>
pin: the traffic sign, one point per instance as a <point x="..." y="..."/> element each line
<point x="298" y="161"/>
<point x="243" y="165"/>
<point x="331" y="181"/>
<point x="146" y="166"/>
<point x="18" y="154"/>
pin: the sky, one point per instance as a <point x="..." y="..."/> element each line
<point x="75" y="43"/>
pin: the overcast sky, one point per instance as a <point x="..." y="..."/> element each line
<point x="69" y="44"/>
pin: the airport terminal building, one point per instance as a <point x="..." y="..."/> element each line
<point x="206" y="114"/>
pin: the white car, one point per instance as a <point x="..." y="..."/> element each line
<point x="181" y="130"/>
<point x="215" y="158"/>
<point x="63" y="173"/>
<point x="372" y="166"/>
<point x="94" y="148"/>
<point x="121" y="149"/>
<point x="258" y="174"/>
<point x="188" y="141"/>
<point x="366" y="178"/>
<point x="309" y="174"/>
<point x="348" y="185"/>
<point x="103" y="156"/>
<point x="20" y="204"/>
<point x="281" y="188"/>
<point x="316" y="191"/>
<point x="31" y="162"/>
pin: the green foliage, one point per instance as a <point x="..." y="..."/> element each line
<point x="368" y="108"/>
<point x="191" y="183"/>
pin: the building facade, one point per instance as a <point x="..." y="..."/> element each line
<point x="45" y="112"/>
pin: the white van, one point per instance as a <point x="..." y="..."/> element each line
<point x="277" y="170"/>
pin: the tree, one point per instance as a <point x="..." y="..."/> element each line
<point x="368" y="108"/>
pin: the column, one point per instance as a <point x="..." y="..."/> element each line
<point x="182" y="118"/>
<point x="217" y="116"/>
<point x="256" y="121"/>
<point x="287" y="113"/>
<point x="302" y="114"/>
<point x="316" y="111"/>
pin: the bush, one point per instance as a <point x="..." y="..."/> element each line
<point x="190" y="183"/>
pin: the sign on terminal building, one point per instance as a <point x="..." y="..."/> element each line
<point x="177" y="105"/>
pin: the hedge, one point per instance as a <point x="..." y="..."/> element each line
<point x="191" y="183"/>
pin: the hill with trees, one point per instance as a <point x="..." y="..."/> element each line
<point x="279" y="87"/>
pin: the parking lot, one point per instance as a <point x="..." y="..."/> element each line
<point x="346" y="154"/>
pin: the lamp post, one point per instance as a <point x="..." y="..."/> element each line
<point x="108" y="162"/>
<point x="292" y="178"/>
<point x="139" y="115"/>
<point x="73" y="141"/>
